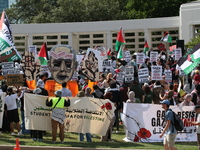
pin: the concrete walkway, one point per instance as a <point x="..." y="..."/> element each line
<point x="6" y="147"/>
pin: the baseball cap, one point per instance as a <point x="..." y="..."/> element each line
<point x="58" y="93"/>
<point x="197" y="106"/>
<point x="165" y="102"/>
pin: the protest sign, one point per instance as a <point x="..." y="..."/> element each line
<point x="144" y="122"/>
<point x="15" y="80"/>
<point x="127" y="56"/>
<point x="6" y="41"/>
<point x="143" y="75"/>
<point x="30" y="68"/>
<point x="190" y="60"/>
<point x="178" y="53"/>
<point x="92" y="65"/>
<point x="84" y="115"/>
<point x="140" y="58"/>
<point x="2" y="96"/>
<point x="168" y="75"/>
<point x="79" y="59"/>
<point x="156" y="72"/>
<point x="129" y="74"/>
<point x="153" y="56"/>
<point x="32" y="49"/>
<point x="107" y="66"/>
<point x="103" y="52"/>
<point x="8" y="68"/>
<point x="120" y="78"/>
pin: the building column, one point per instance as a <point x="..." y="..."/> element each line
<point x="109" y="40"/>
<point x="29" y="40"/>
<point x="70" y="40"/>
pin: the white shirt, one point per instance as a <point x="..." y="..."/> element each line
<point x="10" y="101"/>
<point x="198" y="121"/>
<point x="66" y="92"/>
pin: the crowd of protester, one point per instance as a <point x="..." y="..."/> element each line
<point x="107" y="87"/>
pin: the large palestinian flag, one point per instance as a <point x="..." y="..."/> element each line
<point x="7" y="48"/>
<point x="190" y="60"/>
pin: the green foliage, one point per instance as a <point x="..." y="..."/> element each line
<point x="51" y="11"/>
<point x="193" y="42"/>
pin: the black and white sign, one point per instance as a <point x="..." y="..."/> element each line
<point x="143" y="75"/>
<point x="120" y="78"/>
<point x="129" y="74"/>
<point x="107" y="66"/>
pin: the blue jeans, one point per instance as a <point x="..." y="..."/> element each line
<point x="23" y="130"/>
<point x="88" y="137"/>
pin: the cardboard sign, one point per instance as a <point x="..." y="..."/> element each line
<point x="143" y="75"/>
<point x="15" y="80"/>
<point x="140" y="58"/>
<point x="153" y="56"/>
<point x="156" y="72"/>
<point x="178" y="53"/>
<point x="32" y="49"/>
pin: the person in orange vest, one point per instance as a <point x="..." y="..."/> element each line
<point x="58" y="114"/>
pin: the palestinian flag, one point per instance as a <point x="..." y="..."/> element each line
<point x="166" y="37"/>
<point x="120" y="40"/>
<point x="146" y="48"/>
<point x="42" y="56"/>
<point x="120" y="53"/>
<point x="7" y="48"/>
<point x="190" y="60"/>
<point x="109" y="53"/>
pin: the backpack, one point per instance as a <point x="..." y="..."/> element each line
<point x="178" y="123"/>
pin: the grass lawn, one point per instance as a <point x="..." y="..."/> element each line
<point x="71" y="140"/>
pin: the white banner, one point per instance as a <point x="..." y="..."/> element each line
<point x="144" y="122"/>
<point x="156" y="72"/>
<point x="168" y="75"/>
<point x="143" y="75"/>
<point x="140" y="58"/>
<point x="2" y="96"/>
<point x="85" y="115"/>
<point x="178" y="53"/>
<point x="153" y="56"/>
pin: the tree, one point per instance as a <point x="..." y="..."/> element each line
<point x="47" y="11"/>
<point x="193" y="42"/>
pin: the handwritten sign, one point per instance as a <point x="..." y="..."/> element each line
<point x="14" y="80"/>
<point x="156" y="72"/>
<point x="153" y="56"/>
<point x="140" y="58"/>
<point x="143" y="75"/>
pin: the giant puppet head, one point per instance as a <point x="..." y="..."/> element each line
<point x="62" y="63"/>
